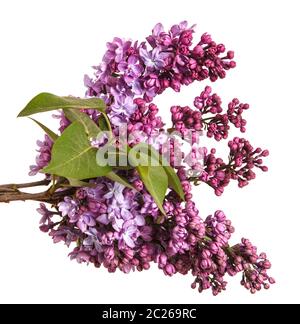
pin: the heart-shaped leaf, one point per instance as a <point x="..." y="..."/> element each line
<point x="73" y="157"/>
<point x="46" y="102"/>
<point x="90" y="126"/>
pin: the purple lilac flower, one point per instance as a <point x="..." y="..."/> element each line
<point x="94" y="88"/>
<point x="92" y="240"/>
<point x="121" y="228"/>
<point x="176" y="30"/>
<point x="154" y="60"/>
<point x="64" y="234"/>
<point x="116" y="50"/>
<point x="68" y="207"/>
<point x="44" y="156"/>
<point x="159" y="37"/>
<point x="120" y="90"/>
<point x="121" y="109"/>
<point x="46" y="214"/>
<point x="115" y="191"/>
<point x="132" y="68"/>
<point x="128" y="234"/>
<point x="100" y="141"/>
<point x="86" y="220"/>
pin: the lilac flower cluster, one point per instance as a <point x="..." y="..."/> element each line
<point x="44" y="155"/>
<point x="122" y="228"/>
<point x="144" y="124"/>
<point x="243" y="158"/>
<point x="208" y="116"/>
<point x="131" y="70"/>
<point x="107" y="220"/>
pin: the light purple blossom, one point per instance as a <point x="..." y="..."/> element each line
<point x="92" y="239"/>
<point x="65" y="234"/>
<point x="149" y="206"/>
<point x="128" y="235"/>
<point x="132" y="67"/>
<point x="68" y="207"/>
<point x="123" y="106"/>
<point x="112" y="216"/>
<point x="115" y="191"/>
<point x="116" y="50"/>
<point x="93" y="87"/>
<point x="85" y="220"/>
<point x="117" y="215"/>
<point x="153" y="59"/>
<point x="95" y="192"/>
<point x="176" y="30"/>
<point x="46" y="214"/>
<point x="156" y="31"/>
<point x="100" y="141"/>
<point x="134" y="84"/>
<point x="120" y="91"/>
<point x="103" y="76"/>
<point x="121" y="208"/>
<point x="159" y="37"/>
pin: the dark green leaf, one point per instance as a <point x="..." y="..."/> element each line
<point x="46" y="102"/>
<point x="73" y="157"/>
<point x="48" y="131"/>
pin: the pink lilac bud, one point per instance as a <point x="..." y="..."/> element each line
<point x="169" y="269"/>
<point x="138" y="185"/>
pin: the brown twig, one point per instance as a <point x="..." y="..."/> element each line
<point x="11" y="192"/>
<point x="15" y="186"/>
<point x="44" y="196"/>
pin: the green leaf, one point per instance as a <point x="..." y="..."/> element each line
<point x="48" y="131"/>
<point x="114" y="177"/>
<point x="78" y="183"/>
<point x="73" y="157"/>
<point x="102" y="123"/>
<point x="173" y="179"/>
<point x="156" y="181"/>
<point x="89" y="125"/>
<point x="140" y="155"/>
<point x="154" y="178"/>
<point x="46" y="102"/>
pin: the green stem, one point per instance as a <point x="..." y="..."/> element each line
<point x="107" y="122"/>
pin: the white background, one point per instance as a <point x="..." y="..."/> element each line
<point x="50" y="45"/>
